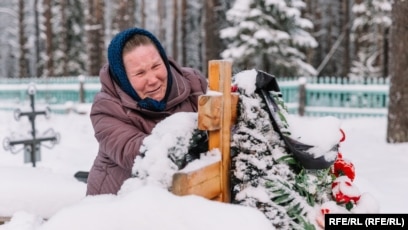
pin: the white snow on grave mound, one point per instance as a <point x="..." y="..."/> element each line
<point x="154" y="208"/>
<point x="37" y="190"/>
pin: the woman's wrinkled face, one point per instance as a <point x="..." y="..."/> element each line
<point x="146" y="72"/>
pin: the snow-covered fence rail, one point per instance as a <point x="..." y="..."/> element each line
<point x="310" y="96"/>
<point x="335" y="96"/>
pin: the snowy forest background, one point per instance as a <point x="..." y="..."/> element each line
<point x="286" y="37"/>
<point x="343" y="38"/>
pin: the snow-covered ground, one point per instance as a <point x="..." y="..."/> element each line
<point x="50" y="190"/>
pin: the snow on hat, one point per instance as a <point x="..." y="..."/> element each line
<point x="117" y="68"/>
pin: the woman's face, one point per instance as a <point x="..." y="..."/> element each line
<point x="146" y="72"/>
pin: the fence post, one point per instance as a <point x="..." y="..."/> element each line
<point x="81" y="79"/>
<point x="302" y="96"/>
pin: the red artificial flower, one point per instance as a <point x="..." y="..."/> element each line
<point x="344" y="192"/>
<point x="325" y="210"/>
<point x="344" y="199"/>
<point x="343" y="167"/>
<point x="234" y="88"/>
<point x="343" y="136"/>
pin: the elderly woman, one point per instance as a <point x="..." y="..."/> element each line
<point x="140" y="87"/>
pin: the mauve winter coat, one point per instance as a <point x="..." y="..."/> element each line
<point x="120" y="125"/>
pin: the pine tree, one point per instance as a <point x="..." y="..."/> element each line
<point x="269" y="35"/>
<point x="369" y="32"/>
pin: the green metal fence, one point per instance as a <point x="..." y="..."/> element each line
<point x="310" y="96"/>
<point x="334" y="96"/>
<point x="53" y="91"/>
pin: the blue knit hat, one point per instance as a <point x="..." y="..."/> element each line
<point x="117" y="68"/>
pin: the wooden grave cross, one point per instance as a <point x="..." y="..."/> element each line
<point x="217" y="113"/>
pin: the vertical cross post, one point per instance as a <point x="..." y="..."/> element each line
<point x="220" y="75"/>
<point x="217" y="111"/>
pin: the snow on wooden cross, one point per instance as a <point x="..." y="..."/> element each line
<point x="217" y="111"/>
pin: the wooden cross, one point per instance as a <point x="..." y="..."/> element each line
<point x="217" y="113"/>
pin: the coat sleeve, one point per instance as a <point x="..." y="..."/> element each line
<point x="119" y="139"/>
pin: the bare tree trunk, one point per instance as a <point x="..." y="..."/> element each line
<point x="175" y="30"/>
<point x="95" y="36"/>
<point x="38" y="62"/>
<point x="346" y="41"/>
<point x="161" y="14"/>
<point x="397" y="130"/>
<point x="124" y="15"/>
<point x="183" y="31"/>
<point x="385" y="53"/>
<point x="310" y="13"/>
<point x="358" y="32"/>
<point x="209" y="27"/>
<point x="130" y="13"/>
<point x="329" y="40"/>
<point x="143" y="14"/>
<point x="212" y="40"/>
<point x="49" y="62"/>
<point x="23" y="68"/>
<point x="64" y="38"/>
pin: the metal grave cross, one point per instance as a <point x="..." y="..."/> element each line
<point x="32" y="150"/>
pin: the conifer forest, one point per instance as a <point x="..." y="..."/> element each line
<point x="346" y="38"/>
